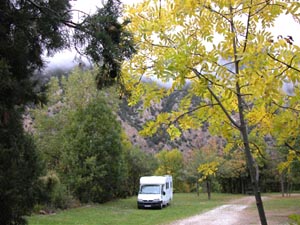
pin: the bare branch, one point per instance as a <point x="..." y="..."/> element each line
<point x="216" y="12"/>
<point x="292" y="148"/>
<point x="223" y="108"/>
<point x="286" y="107"/>
<point x="247" y="30"/>
<point x="59" y="17"/>
<point x="190" y="111"/>
<point x="259" y="150"/>
<point x="200" y="75"/>
<point x="289" y="66"/>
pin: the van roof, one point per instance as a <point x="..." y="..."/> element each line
<point x="155" y="179"/>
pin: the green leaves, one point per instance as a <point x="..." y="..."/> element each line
<point x="93" y="152"/>
<point x="171" y="162"/>
<point x="180" y="50"/>
<point x="174" y="132"/>
<point x="222" y="52"/>
<point x="106" y="42"/>
<point x="80" y="138"/>
<point x="19" y="170"/>
<point x="28" y="30"/>
<point x="208" y="170"/>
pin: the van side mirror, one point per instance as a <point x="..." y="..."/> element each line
<point x="164" y="193"/>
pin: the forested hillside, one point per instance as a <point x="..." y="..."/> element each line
<point x="133" y="119"/>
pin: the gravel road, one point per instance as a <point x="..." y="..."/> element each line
<point x="229" y="214"/>
<point x="243" y="212"/>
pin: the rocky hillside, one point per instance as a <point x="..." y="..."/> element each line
<point x="133" y="119"/>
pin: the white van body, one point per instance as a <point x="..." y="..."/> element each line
<point x="155" y="191"/>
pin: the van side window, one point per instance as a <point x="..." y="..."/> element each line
<point x="167" y="185"/>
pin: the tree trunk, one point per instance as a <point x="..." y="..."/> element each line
<point x="288" y="188"/>
<point x="282" y="184"/>
<point x="250" y="160"/>
<point x="208" y="187"/>
<point x="244" y="132"/>
<point x="242" y="186"/>
<point x="197" y="186"/>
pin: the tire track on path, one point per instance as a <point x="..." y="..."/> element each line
<point x="228" y="214"/>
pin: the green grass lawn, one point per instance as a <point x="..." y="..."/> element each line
<point x="125" y="212"/>
<point x="277" y="202"/>
<point x="279" y="208"/>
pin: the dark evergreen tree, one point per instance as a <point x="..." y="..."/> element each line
<point x="29" y="29"/>
<point x="25" y="33"/>
<point x="19" y="170"/>
<point x="93" y="154"/>
<point x="107" y="42"/>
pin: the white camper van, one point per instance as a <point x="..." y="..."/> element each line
<point x="155" y="191"/>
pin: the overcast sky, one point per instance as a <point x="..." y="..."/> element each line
<point x="66" y="58"/>
<point x="89" y="6"/>
<point x="284" y="26"/>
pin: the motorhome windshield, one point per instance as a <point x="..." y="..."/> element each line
<point x="150" y="189"/>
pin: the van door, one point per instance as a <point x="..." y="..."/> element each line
<point x="168" y="189"/>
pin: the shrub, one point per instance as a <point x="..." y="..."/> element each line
<point x="295" y="218"/>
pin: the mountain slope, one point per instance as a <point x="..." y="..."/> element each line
<point x="133" y="119"/>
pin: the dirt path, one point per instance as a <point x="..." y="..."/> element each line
<point x="229" y="214"/>
<point x="241" y="212"/>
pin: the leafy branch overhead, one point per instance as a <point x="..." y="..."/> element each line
<point x="178" y="43"/>
<point x="222" y="51"/>
<point x="106" y="41"/>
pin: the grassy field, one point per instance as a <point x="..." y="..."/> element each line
<point x="277" y="202"/>
<point x="278" y="209"/>
<point x="125" y="212"/>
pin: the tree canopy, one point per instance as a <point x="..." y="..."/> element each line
<point x="75" y="138"/>
<point x="81" y="142"/>
<point x="25" y="33"/>
<point x="225" y="52"/>
<point x="28" y="30"/>
<point x="106" y="42"/>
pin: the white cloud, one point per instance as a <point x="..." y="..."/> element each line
<point x="285" y="25"/>
<point x="67" y="58"/>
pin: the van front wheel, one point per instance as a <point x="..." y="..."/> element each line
<point x="161" y="206"/>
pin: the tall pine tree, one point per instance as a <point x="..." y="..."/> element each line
<point x="29" y="29"/>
